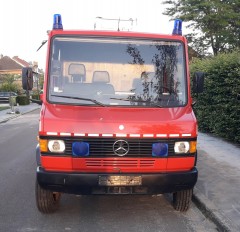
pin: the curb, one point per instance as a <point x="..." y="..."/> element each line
<point x="210" y="211"/>
<point x="16" y="115"/>
<point x="9" y="118"/>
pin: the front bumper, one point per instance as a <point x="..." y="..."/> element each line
<point x="88" y="183"/>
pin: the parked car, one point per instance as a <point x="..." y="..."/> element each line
<point x="4" y="96"/>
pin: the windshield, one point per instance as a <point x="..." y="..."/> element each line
<point x="117" y="72"/>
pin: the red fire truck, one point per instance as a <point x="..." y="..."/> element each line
<point x="116" y="116"/>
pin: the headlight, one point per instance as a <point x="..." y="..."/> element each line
<point x="181" y="147"/>
<point x="57" y="146"/>
<point x="184" y="147"/>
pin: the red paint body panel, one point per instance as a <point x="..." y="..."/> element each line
<point x="104" y="120"/>
<point x="72" y="119"/>
<point x="116" y="165"/>
<point x="179" y="164"/>
<point x="101" y="165"/>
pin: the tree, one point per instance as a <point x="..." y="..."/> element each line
<point x="8" y="84"/>
<point x="214" y="23"/>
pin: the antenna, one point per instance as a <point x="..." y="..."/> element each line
<point x="119" y="22"/>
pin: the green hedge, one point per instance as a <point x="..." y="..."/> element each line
<point x="23" y="100"/>
<point x="218" y="107"/>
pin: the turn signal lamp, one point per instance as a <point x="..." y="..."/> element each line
<point x="80" y="149"/>
<point x="193" y="146"/>
<point x="159" y="149"/>
<point x="177" y="30"/>
<point x="43" y="144"/>
<point x="57" y="22"/>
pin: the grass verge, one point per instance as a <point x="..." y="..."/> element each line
<point x="4" y="107"/>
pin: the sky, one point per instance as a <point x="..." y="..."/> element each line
<point x="24" y="23"/>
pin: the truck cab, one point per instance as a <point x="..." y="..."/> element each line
<point x="116" y="116"/>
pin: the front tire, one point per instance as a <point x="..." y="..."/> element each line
<point x="47" y="201"/>
<point x="182" y="200"/>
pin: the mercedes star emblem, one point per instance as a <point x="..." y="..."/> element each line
<point x="121" y="147"/>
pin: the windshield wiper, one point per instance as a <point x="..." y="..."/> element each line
<point x="43" y="42"/>
<point x="139" y="101"/>
<point x="81" y="98"/>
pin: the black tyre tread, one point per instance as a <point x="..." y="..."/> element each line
<point x="182" y="200"/>
<point x="46" y="203"/>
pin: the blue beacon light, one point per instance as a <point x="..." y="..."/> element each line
<point x="57" y="22"/>
<point x="177" y="30"/>
<point x="80" y="149"/>
<point x="160" y="149"/>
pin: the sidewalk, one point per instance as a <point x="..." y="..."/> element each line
<point x="217" y="191"/>
<point x="6" y="115"/>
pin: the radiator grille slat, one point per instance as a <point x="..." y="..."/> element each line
<point x="119" y="163"/>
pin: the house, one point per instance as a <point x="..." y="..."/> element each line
<point x="12" y="65"/>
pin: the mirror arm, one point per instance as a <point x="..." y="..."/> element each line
<point x="194" y="103"/>
<point x="39" y="102"/>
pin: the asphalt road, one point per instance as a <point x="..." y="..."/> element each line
<point x="18" y="212"/>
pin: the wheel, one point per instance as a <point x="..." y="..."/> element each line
<point x="47" y="201"/>
<point x="182" y="200"/>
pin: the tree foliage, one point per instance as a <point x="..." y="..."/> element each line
<point x="217" y="108"/>
<point x="7" y="83"/>
<point x="214" y="23"/>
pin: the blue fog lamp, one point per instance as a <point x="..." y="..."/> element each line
<point x="57" y="22"/>
<point x="159" y="149"/>
<point x="177" y="30"/>
<point x="80" y="149"/>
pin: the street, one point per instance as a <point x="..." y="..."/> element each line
<point x="18" y="210"/>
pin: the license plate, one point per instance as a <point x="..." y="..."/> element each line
<point x="120" y="180"/>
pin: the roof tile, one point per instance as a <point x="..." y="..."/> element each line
<point x="7" y="63"/>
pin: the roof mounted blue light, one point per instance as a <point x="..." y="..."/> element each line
<point x="177" y="30"/>
<point x="57" y="22"/>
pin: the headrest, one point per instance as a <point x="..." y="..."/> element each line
<point x="147" y="75"/>
<point x="101" y="77"/>
<point x="76" y="69"/>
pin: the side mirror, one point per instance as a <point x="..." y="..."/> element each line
<point x="40" y="101"/>
<point x="27" y="78"/>
<point x="198" y="82"/>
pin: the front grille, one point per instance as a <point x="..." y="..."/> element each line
<point x="102" y="147"/>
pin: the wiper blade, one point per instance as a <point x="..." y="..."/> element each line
<point x="43" y="42"/>
<point x="81" y="98"/>
<point x="136" y="100"/>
